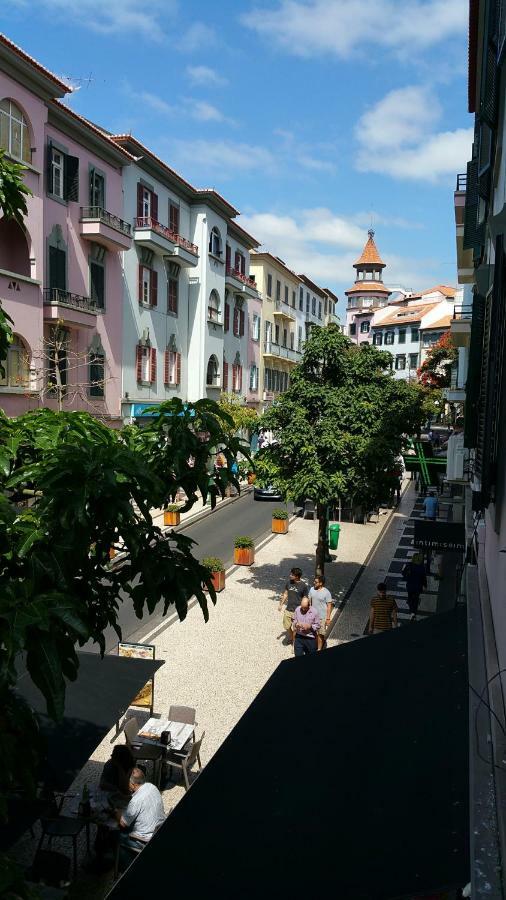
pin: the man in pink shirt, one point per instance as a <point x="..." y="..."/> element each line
<point x="306" y="625"/>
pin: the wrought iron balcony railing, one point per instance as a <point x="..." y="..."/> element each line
<point x="68" y="298"/>
<point x="97" y="213"/>
<point x="167" y="233"/>
<point x="235" y="273"/>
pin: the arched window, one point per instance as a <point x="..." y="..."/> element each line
<point x="215" y="242"/>
<point x="14" y="252"/>
<point x="213" y="372"/>
<point x="17" y="365"/>
<point x="213" y="308"/>
<point x="14" y="131"/>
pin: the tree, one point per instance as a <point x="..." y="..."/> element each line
<point x="339" y="426"/>
<point x="436" y="369"/>
<point x="243" y="417"/>
<point x="13" y="194"/>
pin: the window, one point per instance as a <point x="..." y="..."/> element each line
<point x="268" y="332"/>
<point x="62" y="174"/>
<point x="377" y="339"/>
<point x="278" y="290"/>
<point x="313" y="306"/>
<point x="292" y="340"/>
<point x="365" y="327"/>
<point x="269" y="285"/>
<point x="97" y="375"/>
<point x="97" y="285"/>
<point x="253" y="378"/>
<point x="97" y="189"/>
<point x="57" y="269"/>
<point x="301" y="298"/>
<point x="286" y="294"/>
<point x="276" y="334"/>
<point x="285" y="337"/>
<point x="299" y="339"/>
<point x="213" y="372"/>
<point x="224" y="381"/>
<point x="293" y="299"/>
<point x="146" y="364"/>
<point x="16" y="365"/>
<point x="14" y="132"/>
<point x="215" y="242"/>
<point x="402" y="336"/>
<point x="389" y="337"/>
<point x="148" y="286"/>
<point x="174" y="218"/>
<point x="172" y="367"/>
<point x="320" y="309"/>
<point x="236" y="378"/>
<point x="415" y="335"/>
<point x="353" y="328"/>
<point x="238" y="327"/>
<point x="173" y="296"/>
<point x="213" y="309"/>
<point x="240" y="262"/>
<point x="255" y="329"/>
<point x="226" y="323"/>
<point x="308" y="302"/>
<point x="400" y="363"/>
<point x="413" y="360"/>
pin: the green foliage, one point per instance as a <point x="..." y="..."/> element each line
<point x="436" y="370"/>
<point x="243" y="542"/>
<point x="243" y="418"/>
<point x="13" y="190"/>
<point x="280" y="514"/>
<point x="213" y="563"/>
<point x="173" y="507"/>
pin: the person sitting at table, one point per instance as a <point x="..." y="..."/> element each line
<point x="116" y="772"/>
<point x="143" y="815"/>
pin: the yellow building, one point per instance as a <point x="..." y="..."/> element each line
<point x="280" y="339"/>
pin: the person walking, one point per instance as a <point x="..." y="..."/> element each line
<point x="431" y="506"/>
<point x="294" y="592"/>
<point x="383" y="615"/>
<point x="321" y="600"/>
<point x="416" y="582"/>
<point x="306" y="625"/>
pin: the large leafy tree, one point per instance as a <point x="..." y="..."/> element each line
<point x="339" y="426"/>
<point x="13" y="194"/>
<point x="243" y="417"/>
<point x="436" y="369"/>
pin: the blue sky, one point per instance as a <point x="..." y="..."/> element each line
<point x="310" y="116"/>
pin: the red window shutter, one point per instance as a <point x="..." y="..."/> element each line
<point x="166" y="367"/>
<point x="174" y="218"/>
<point x="154" y="206"/>
<point x="241" y="323"/>
<point x="140" y="190"/>
<point x="243" y="265"/>
<point x="227" y="316"/>
<point x="234" y="377"/>
<point x="237" y="261"/>
<point x="140" y="282"/>
<point x="154" y="287"/>
<point x="239" y="374"/>
<point x="138" y="362"/>
<point x="229" y="256"/>
<point x="172" y="302"/>
<point x="236" y="321"/>
<point x="153" y="366"/>
<point x="178" y="368"/>
<point x="225" y="375"/>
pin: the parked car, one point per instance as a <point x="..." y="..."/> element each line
<point x="270" y="492"/>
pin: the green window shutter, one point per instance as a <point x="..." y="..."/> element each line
<point x="49" y="167"/>
<point x="474" y="373"/>
<point x="471" y="207"/>
<point x="71" y="177"/>
<point x="97" y="375"/>
<point x="57" y="269"/>
<point x="97" y="284"/>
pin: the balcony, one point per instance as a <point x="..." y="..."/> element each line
<point x="283" y="311"/>
<point x="165" y="242"/>
<point x="465" y="264"/>
<point x="240" y="283"/>
<point x="460" y="325"/>
<point x="277" y="351"/>
<point x="104" y="228"/>
<point x="73" y="309"/>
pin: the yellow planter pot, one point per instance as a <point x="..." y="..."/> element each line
<point x="244" y="556"/>
<point x="171" y="518"/>
<point x="280" y="526"/>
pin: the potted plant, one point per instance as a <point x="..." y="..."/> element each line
<point x="279" y="521"/>
<point x="217" y="570"/>
<point x="244" y="551"/>
<point x="172" y="515"/>
<point x="251" y="476"/>
<point x="112" y="552"/>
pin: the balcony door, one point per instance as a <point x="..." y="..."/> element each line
<point x="97" y="189"/>
<point x="57" y="269"/>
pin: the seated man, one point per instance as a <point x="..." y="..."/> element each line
<point x="143" y="815"/>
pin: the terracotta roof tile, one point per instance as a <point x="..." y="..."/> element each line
<point x="65" y="88"/>
<point x="366" y="287"/>
<point x="95" y="128"/>
<point x="370" y="254"/>
<point x="405" y="315"/>
<point x="444" y="289"/>
<point x="441" y="323"/>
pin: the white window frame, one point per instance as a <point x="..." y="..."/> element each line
<point x="146" y="365"/>
<point x="146" y="203"/>
<point x="57" y="171"/>
<point x="146" y="286"/>
<point x="15" y="118"/>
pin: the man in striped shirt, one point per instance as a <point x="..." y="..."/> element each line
<point x="383" y="611"/>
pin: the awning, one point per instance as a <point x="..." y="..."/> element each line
<point x="347" y="776"/>
<point x="102" y="692"/>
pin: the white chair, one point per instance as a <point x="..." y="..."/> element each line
<point x="186" y="762"/>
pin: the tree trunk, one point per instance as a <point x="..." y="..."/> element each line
<point x="321" y="549"/>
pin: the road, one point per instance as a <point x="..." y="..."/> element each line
<point x="215" y="537"/>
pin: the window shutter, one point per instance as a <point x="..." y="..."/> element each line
<point x="49" y="167"/>
<point x="97" y="283"/>
<point x="154" y="206"/>
<point x="225" y="375"/>
<point x="228" y="255"/>
<point x="473" y="373"/>
<point x="237" y="261"/>
<point x="241" y="323"/>
<point x="178" y="368"/>
<point x="154" y="287"/>
<point x="141" y="269"/>
<point x="153" y="366"/>
<point x="166" y="367"/>
<point x="236" y="322"/>
<point x="57" y="269"/>
<point x="71" y="175"/>
<point x="139" y="200"/>
<point x="138" y="362"/>
<point x="227" y="316"/>
<point x="174" y="218"/>
<point x="234" y="376"/>
<point x="239" y="375"/>
<point x="172" y="301"/>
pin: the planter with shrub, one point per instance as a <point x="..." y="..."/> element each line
<point x="280" y="521"/>
<point x="172" y="514"/>
<point x="217" y="570"/>
<point x="244" y="551"/>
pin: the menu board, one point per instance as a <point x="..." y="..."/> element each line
<point x="144" y="698"/>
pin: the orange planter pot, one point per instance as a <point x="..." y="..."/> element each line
<point x="244" y="556"/>
<point x="112" y="552"/>
<point x="171" y="518"/>
<point x="280" y="526"/>
<point x="218" y="579"/>
<point x="251" y="478"/>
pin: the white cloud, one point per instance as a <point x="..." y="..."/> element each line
<point x="204" y="75"/>
<point x="397" y="137"/>
<point x="340" y="27"/>
<point x="222" y="156"/>
<point x="316" y="165"/>
<point x="205" y="112"/>
<point x="195" y="37"/>
<point x="152" y="101"/>
<point x="115" y="16"/>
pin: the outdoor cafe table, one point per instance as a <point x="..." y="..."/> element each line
<point x="180" y="733"/>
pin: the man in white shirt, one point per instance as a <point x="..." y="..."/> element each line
<point x="321" y="599"/>
<point x="143" y="815"/>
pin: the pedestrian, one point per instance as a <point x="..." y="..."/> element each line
<point x="306" y="625"/>
<point x="321" y="600"/>
<point x="431" y="506"/>
<point x="294" y="592"/>
<point x="416" y="582"/>
<point x="383" y="614"/>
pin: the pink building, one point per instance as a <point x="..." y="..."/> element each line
<point x="62" y="270"/>
<point x="367" y="294"/>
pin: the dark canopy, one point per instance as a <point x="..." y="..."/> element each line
<point x="347" y="776"/>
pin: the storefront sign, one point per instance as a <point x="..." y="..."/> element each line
<point x="440" y="536"/>
<point x="140" y="651"/>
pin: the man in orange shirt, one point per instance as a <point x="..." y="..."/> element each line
<point x="383" y="615"/>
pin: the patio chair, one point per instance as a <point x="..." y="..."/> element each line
<point x="184" y="714"/>
<point x="143" y="751"/>
<point x="54" y="825"/>
<point x="186" y="762"/>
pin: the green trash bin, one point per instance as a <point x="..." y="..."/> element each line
<point x="334" y="530"/>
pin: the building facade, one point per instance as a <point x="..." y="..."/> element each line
<point x="367" y="295"/>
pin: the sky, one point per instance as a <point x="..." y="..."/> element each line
<point x="315" y="118"/>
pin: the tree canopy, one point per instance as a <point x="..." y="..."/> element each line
<point x="436" y="369"/>
<point x="244" y="418"/>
